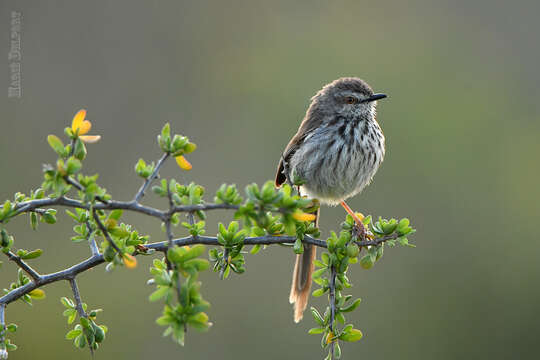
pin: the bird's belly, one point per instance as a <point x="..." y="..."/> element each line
<point x="333" y="170"/>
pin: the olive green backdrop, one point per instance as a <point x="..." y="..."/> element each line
<point x="462" y="128"/>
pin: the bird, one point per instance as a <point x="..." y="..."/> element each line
<point x="335" y="153"/>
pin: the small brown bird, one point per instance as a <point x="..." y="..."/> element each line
<point x="335" y="152"/>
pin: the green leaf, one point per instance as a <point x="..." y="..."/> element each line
<point x="99" y="333"/>
<point x="56" y="144"/>
<point x="337" y="350"/>
<point x="194" y="252"/>
<point x="73" y="334"/>
<point x="80" y="341"/>
<point x="10" y="346"/>
<point x="32" y="254"/>
<point x="318" y="273"/>
<point x="164" y="320"/>
<point x="37" y="294"/>
<point x="33" y="220"/>
<point x="366" y="262"/>
<point x="159" y="293"/>
<point x="298" y="247"/>
<point x="73" y="166"/>
<point x="255" y="249"/>
<point x="85" y="323"/>
<point x="80" y="150"/>
<point x="318" y="330"/>
<point x="353" y="306"/>
<point x="317" y="316"/>
<point x="49" y="216"/>
<point x="115" y="214"/>
<point x="351" y="335"/>
<point x="67" y="302"/>
<point x="198" y="264"/>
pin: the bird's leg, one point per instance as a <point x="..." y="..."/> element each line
<point x="359" y="224"/>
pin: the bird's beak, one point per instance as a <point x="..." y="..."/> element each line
<point x="375" y="97"/>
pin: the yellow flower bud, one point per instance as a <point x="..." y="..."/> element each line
<point x="302" y="216"/>
<point x="360" y="216"/>
<point x="329" y="337"/>
<point x="183" y="163"/>
<point x="129" y="261"/>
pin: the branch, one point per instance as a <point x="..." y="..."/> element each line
<point x="3" y="330"/>
<point x="163" y="246"/>
<point x="79" y="307"/>
<point x="151" y="178"/>
<point x="98" y="259"/>
<point x="79" y="187"/>
<point x="332" y="296"/>
<point x="378" y="241"/>
<point x="105" y="232"/>
<point x="23" y="265"/>
<point x="53" y="277"/>
<point x="92" y="240"/>
<point x="77" y="296"/>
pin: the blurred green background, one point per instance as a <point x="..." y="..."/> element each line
<point x="462" y="128"/>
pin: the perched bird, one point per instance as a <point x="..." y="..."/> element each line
<point x="335" y="152"/>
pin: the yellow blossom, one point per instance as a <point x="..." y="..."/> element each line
<point x="183" y="163"/>
<point x="360" y="216"/>
<point x="329" y="337"/>
<point x="80" y="126"/>
<point x="129" y="261"/>
<point x="302" y="216"/>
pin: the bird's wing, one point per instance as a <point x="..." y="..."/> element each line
<point x="312" y="121"/>
<point x="289" y="151"/>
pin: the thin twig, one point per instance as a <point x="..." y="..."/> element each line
<point x="77" y="296"/>
<point x="151" y="178"/>
<point x="105" y="232"/>
<point x="79" y="187"/>
<point x="225" y="263"/>
<point x="23" y="265"/>
<point x="65" y="274"/>
<point x="377" y="241"/>
<point x="2" y="326"/>
<point x="32" y="205"/>
<point x="92" y="240"/>
<point x="332" y="308"/>
<point x="80" y="309"/>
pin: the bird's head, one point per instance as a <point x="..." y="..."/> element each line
<point x="348" y="97"/>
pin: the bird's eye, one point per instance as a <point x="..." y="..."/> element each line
<point x="351" y="100"/>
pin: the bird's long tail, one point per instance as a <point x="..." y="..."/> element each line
<point x="301" y="281"/>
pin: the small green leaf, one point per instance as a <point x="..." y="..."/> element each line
<point x="33" y="220"/>
<point x="353" y="306"/>
<point x="56" y="144"/>
<point x="32" y="254"/>
<point x="366" y="262"/>
<point x="159" y="293"/>
<point x="67" y="302"/>
<point x="317" y="316"/>
<point x="318" y="330"/>
<point x="351" y="336"/>
<point x="73" y="334"/>
<point x="298" y="247"/>
<point x="73" y="166"/>
<point x="37" y="294"/>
